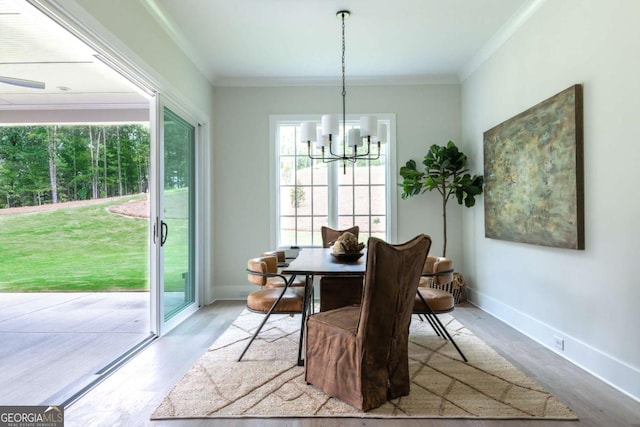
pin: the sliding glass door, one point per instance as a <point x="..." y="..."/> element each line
<point x="173" y="232"/>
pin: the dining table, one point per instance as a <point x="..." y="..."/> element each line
<point x="313" y="261"/>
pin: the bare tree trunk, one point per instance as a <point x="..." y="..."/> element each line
<point x="75" y="173"/>
<point x="104" y="163"/>
<point x="140" y="180"/>
<point x="147" y="172"/>
<point x="96" y="165"/>
<point x="119" y="163"/>
<point x="52" y="144"/>
<point x="94" y="146"/>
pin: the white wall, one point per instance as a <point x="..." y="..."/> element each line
<point x="425" y="115"/>
<point x="590" y="298"/>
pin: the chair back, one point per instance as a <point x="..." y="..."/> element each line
<point x="390" y="286"/>
<point x="439" y="269"/>
<point x="280" y="255"/>
<point x="329" y="235"/>
<point x="263" y="265"/>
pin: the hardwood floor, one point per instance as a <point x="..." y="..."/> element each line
<point x="131" y="394"/>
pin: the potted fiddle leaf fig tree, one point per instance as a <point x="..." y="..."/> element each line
<point x="445" y="171"/>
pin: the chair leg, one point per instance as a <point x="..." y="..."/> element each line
<point x="431" y="315"/>
<point x="308" y="284"/>
<point x="434" y="326"/>
<point x="449" y="337"/>
<point x="266" y="317"/>
<point x="312" y="308"/>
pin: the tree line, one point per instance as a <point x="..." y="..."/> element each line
<point x="55" y="163"/>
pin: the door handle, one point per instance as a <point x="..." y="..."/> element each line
<point x="164" y="232"/>
<point x="155" y="230"/>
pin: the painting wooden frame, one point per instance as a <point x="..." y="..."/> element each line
<point x="533" y="174"/>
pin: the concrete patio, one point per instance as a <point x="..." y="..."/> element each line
<point x="54" y="344"/>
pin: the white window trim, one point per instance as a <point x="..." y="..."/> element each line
<point x="274" y="180"/>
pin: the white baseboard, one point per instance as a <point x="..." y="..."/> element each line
<point x="233" y="292"/>
<point x="616" y="373"/>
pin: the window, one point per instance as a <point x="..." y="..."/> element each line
<point x="310" y="193"/>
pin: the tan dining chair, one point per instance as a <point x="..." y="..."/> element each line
<point x="274" y="267"/>
<point x="431" y="301"/>
<point x="336" y="292"/>
<point x="275" y="296"/>
<point x="360" y="354"/>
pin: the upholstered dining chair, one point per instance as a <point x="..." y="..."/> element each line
<point x="431" y="301"/>
<point x="336" y="292"/>
<point x="275" y="296"/>
<point x="360" y="354"/>
<point x="280" y="257"/>
<point x="273" y="267"/>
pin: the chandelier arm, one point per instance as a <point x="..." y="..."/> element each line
<point x="352" y="158"/>
<point x="338" y="155"/>
<point x="311" y="156"/>
<point x="334" y="159"/>
<point x="368" y="154"/>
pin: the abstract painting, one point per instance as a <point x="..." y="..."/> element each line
<point x="533" y="174"/>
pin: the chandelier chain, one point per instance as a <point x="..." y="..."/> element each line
<point x="344" y="93"/>
<point x="344" y="46"/>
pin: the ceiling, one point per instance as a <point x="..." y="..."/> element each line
<point x="33" y="47"/>
<point x="263" y="41"/>
<point x="260" y="42"/>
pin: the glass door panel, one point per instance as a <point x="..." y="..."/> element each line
<point x="177" y="214"/>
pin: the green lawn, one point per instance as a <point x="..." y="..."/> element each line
<point x="82" y="248"/>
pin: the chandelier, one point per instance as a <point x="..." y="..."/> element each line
<point x="325" y="137"/>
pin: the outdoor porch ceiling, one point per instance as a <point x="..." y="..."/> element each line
<point x="33" y="47"/>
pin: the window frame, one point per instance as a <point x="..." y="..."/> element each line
<point x="274" y="177"/>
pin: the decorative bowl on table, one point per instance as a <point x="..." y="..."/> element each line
<point x="347" y="248"/>
<point x="347" y="257"/>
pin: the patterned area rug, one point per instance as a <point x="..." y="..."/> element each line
<point x="268" y="383"/>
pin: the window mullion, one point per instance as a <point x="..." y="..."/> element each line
<point x="313" y="201"/>
<point x="353" y="194"/>
<point x="332" y="195"/>
<point x="369" y="188"/>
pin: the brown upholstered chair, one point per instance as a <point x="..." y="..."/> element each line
<point x="360" y="354"/>
<point x="336" y="292"/>
<point x="276" y="296"/>
<point x="430" y="301"/>
<point x="437" y="271"/>
<point x="329" y="235"/>
<point x="280" y="257"/>
<point x="271" y="260"/>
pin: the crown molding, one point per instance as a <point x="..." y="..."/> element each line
<point x="517" y="20"/>
<point x="159" y="14"/>
<point x="335" y="81"/>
